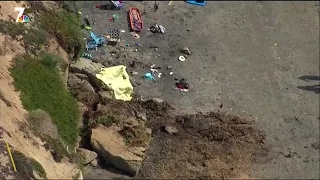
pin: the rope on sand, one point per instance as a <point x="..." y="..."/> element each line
<point x="12" y="161"/>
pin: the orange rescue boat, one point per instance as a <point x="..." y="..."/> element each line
<point x="135" y="18"/>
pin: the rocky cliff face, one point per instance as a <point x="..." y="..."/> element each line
<point x="211" y="146"/>
<point x="117" y="129"/>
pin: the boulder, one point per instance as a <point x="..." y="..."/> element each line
<point x="79" y="83"/>
<point x="170" y="129"/>
<point x="157" y="100"/>
<point x="109" y="144"/>
<point x="140" y="151"/>
<point x="94" y="163"/>
<point x="88" y="156"/>
<point x="186" y="50"/>
<point x="84" y="66"/>
<point x="100" y="173"/>
<point x="87" y="98"/>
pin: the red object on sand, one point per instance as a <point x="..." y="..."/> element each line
<point x="135" y="19"/>
<point x="97" y="6"/>
<point x="180" y="86"/>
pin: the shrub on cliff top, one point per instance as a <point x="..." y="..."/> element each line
<point x="66" y="27"/>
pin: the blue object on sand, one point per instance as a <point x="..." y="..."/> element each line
<point x="198" y="3"/>
<point x="98" y="39"/>
<point x="149" y="76"/>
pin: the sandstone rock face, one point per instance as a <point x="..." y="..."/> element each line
<point x="110" y="146"/>
<point x="84" y="66"/>
<point x="79" y="83"/>
<point x="88" y="156"/>
<point x="94" y="163"/>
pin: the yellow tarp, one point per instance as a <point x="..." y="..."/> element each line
<point x="117" y="78"/>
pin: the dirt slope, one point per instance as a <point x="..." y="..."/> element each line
<point x="12" y="112"/>
<point x="11" y="115"/>
<point x="212" y="145"/>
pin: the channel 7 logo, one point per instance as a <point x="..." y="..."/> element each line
<point x="22" y="18"/>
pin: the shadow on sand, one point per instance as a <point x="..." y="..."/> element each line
<point x="107" y="7"/>
<point x="308" y="78"/>
<point x="314" y="88"/>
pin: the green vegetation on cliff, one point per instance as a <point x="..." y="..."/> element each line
<point x="66" y="27"/>
<point x="36" y="75"/>
<point x="42" y="88"/>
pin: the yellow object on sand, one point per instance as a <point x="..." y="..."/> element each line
<point x="117" y="78"/>
<point x="12" y="161"/>
<point x="87" y="27"/>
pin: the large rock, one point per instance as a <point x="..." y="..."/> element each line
<point x="94" y="163"/>
<point x="88" y="156"/>
<point x="109" y="144"/>
<point x="89" y="68"/>
<point x="157" y="100"/>
<point x="79" y="83"/>
<point x="99" y="173"/>
<point x="170" y="129"/>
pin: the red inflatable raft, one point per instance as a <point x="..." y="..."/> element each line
<point x="135" y="19"/>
